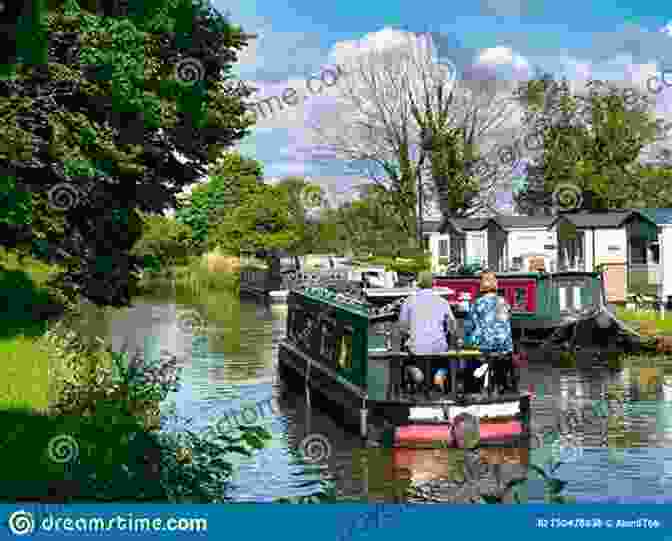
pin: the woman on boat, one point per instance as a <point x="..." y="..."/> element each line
<point x="488" y="322"/>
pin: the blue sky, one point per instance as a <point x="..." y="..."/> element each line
<point x="610" y="39"/>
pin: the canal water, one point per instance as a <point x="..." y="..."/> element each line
<point x="613" y="431"/>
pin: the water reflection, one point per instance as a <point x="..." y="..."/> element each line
<point x="230" y="363"/>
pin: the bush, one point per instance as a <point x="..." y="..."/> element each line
<point x="106" y="405"/>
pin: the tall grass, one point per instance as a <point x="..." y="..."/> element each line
<point x="651" y="317"/>
<point x="212" y="271"/>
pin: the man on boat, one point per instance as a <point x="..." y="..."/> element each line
<point x="488" y="325"/>
<point x="424" y="318"/>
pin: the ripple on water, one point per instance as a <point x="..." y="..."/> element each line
<point x="217" y="381"/>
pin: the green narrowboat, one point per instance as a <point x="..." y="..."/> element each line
<point x="341" y="353"/>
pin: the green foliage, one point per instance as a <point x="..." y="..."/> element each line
<point x="305" y="198"/>
<point x="593" y="142"/>
<point x="207" y="474"/>
<point x="214" y="199"/>
<point x="103" y="118"/>
<point x="197" y="278"/>
<point x="370" y="224"/>
<point x="165" y="242"/>
<point x="260" y="222"/>
<point x="131" y="458"/>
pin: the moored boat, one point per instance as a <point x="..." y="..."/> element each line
<point x="340" y="353"/>
<point x="566" y="308"/>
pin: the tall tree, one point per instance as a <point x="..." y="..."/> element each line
<point x="306" y="200"/>
<point x="208" y="201"/>
<point x="594" y="141"/>
<point x="410" y="123"/>
<point x="89" y="132"/>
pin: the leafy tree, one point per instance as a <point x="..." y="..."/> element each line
<point x="99" y="117"/>
<point x="305" y="199"/>
<point x="210" y="201"/>
<point x="164" y="242"/>
<point x="372" y="225"/>
<point x="261" y="223"/>
<point x="593" y="142"/>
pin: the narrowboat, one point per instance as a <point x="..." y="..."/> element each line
<point x="568" y="309"/>
<point x="259" y="282"/>
<point x="339" y="350"/>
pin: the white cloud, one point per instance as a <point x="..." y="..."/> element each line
<point x="667" y="29"/>
<point x="502" y="55"/>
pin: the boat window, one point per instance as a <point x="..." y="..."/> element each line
<point x="328" y="342"/>
<point x="443" y="248"/>
<point x="520" y="299"/>
<point x="345" y="351"/>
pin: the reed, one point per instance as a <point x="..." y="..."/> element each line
<point x="212" y="271"/>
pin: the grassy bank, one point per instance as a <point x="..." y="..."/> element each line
<point x="26" y="301"/>
<point x="647" y="322"/>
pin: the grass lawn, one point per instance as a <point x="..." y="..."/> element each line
<point x="635" y="318"/>
<point x="24" y="366"/>
<point x="24" y="374"/>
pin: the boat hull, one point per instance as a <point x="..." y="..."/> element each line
<point x="393" y="423"/>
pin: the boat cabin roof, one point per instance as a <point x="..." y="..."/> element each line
<point x="335" y="299"/>
<point x="519" y="274"/>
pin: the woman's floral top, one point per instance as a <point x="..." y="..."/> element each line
<point x="488" y="325"/>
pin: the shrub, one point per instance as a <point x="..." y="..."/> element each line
<point x="108" y="402"/>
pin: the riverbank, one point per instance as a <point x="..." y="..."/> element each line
<point x="647" y="322"/>
<point x="81" y="422"/>
<point x="28" y="306"/>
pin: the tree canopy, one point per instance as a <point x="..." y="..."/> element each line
<point x="90" y="129"/>
<point x="222" y="192"/>
<point x="593" y="143"/>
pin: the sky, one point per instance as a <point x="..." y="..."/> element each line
<point x="624" y="41"/>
